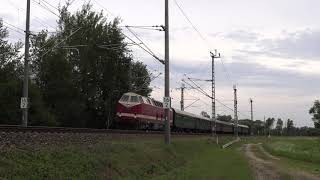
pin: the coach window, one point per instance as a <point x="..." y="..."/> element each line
<point x="134" y="99"/>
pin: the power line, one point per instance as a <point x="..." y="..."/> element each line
<point x="61" y="41"/>
<point x="197" y="88"/>
<point x="202" y="37"/>
<point x="50" y="5"/>
<point x="150" y="53"/>
<point x="46" y="8"/>
<point x="144" y="47"/>
<point x="17" y="28"/>
<point x="156" y="28"/>
<point x="151" y="79"/>
<point x="14" y="30"/>
<point x="36" y="18"/>
<point x="70" y="3"/>
<point x="192" y="25"/>
<point x="135" y="35"/>
<point x="104" y="8"/>
<point x="206" y="94"/>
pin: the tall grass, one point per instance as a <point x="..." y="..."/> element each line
<point x="305" y="149"/>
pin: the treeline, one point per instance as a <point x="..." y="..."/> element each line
<point x="273" y="126"/>
<point x="77" y="74"/>
<point x="277" y="127"/>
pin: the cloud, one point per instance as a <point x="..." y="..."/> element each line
<point x="302" y="44"/>
<point x="239" y="35"/>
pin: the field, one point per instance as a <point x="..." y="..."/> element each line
<point x="305" y="149"/>
<point x="302" y="153"/>
<point x="133" y="157"/>
<point x="95" y="156"/>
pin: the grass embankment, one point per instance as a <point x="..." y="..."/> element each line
<point x="140" y="158"/>
<point x="299" y="152"/>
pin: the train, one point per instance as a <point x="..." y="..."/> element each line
<point x="143" y="113"/>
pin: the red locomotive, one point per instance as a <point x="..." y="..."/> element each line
<point x="139" y="112"/>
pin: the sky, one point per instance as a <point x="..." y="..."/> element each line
<point x="269" y="49"/>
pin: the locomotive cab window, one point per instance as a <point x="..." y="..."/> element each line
<point x="140" y="99"/>
<point x="134" y="99"/>
<point x="124" y="98"/>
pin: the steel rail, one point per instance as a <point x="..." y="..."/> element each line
<point x="45" y="129"/>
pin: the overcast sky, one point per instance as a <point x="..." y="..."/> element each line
<point x="269" y="48"/>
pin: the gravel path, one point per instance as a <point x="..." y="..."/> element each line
<point x="263" y="170"/>
<point x="269" y="167"/>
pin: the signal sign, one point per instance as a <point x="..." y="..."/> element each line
<point x="24" y="103"/>
<point x="166" y="102"/>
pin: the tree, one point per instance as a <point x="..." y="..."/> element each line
<point x="226" y="118"/>
<point x="315" y="112"/>
<point x="279" y="126"/>
<point x="140" y="79"/>
<point x="11" y="80"/>
<point x="258" y="127"/>
<point x="204" y="114"/>
<point x="84" y="68"/>
<point x="289" y="127"/>
<point x="269" y="124"/>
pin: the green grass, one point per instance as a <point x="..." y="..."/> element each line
<point x="185" y="158"/>
<point x="212" y="163"/>
<point x="298" y="153"/>
<point x="304" y="149"/>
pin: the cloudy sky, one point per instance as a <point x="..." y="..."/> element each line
<point x="270" y="48"/>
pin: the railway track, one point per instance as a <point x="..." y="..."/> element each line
<point x="45" y="129"/>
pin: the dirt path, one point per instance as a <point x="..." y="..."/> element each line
<point x="267" y="167"/>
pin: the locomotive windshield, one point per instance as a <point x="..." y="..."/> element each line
<point x="134" y="99"/>
<point x="124" y="98"/>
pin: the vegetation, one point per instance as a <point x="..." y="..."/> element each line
<point x="298" y="152"/>
<point x="227" y="118"/>
<point x="258" y="127"/>
<point x="315" y="112"/>
<point x="77" y="74"/>
<point x="125" y="159"/>
<point x="297" y="148"/>
<point x="279" y="126"/>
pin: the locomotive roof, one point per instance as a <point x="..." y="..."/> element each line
<point x="131" y="94"/>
